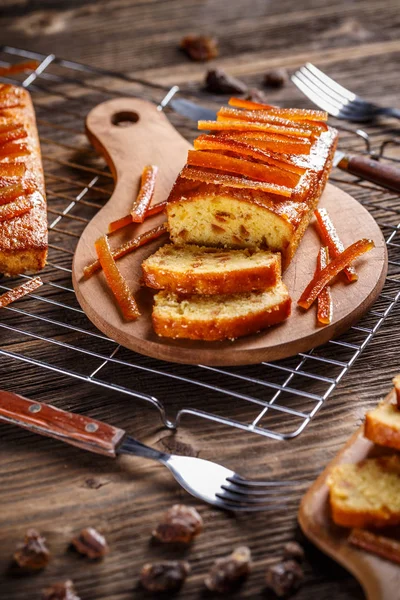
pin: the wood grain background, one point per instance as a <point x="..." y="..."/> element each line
<point x="60" y="489"/>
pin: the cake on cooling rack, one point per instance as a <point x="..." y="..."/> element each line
<point x="23" y="218"/>
<point x="254" y="181"/>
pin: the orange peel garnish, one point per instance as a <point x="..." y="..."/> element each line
<point x="15" y="209"/>
<point x="240" y="125"/>
<point x="127" y="219"/>
<point x="324" y="300"/>
<point x="330" y="237"/>
<point x="28" y="65"/>
<point x="293" y="114"/>
<point x="20" y="291"/>
<point x="263" y="116"/>
<point x="342" y="260"/>
<point x="145" y="194"/>
<point x="271" y="141"/>
<point x="12" y="169"/>
<point x="115" y="281"/>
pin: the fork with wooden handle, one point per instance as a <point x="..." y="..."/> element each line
<point x="206" y="480"/>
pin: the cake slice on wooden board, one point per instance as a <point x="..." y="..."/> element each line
<point x="219" y="317"/>
<point x="382" y="425"/>
<point x="191" y="269"/>
<point x="23" y="239"/>
<point x="366" y="494"/>
<point x="205" y="209"/>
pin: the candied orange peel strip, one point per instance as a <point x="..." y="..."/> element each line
<point x="235" y="182"/>
<point x="341" y="261"/>
<point x="127" y="219"/>
<point x="293" y="114"/>
<point x="115" y="281"/>
<point x="16" y="133"/>
<point x="376" y="544"/>
<point x="331" y="239"/>
<point x="253" y="170"/>
<point x="324" y="301"/>
<point x="11" y="192"/>
<point x="240" y="125"/>
<point x="262" y="116"/>
<point x="13" y="150"/>
<point x="271" y="141"/>
<point x="127" y="248"/>
<point x="145" y="194"/>
<point x="215" y="142"/>
<point x="28" y="65"/>
<point x="12" y="169"/>
<point x="15" y="209"/>
<point x="20" y="291"/>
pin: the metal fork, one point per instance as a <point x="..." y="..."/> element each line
<point x="335" y="99"/>
<point x="204" y="479"/>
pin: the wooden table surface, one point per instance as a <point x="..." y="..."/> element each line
<point x="59" y="489"/>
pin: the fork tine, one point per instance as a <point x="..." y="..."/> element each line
<point x="314" y="96"/>
<point x="252" y="500"/>
<point x="331" y="83"/>
<point x="324" y="89"/>
<point x="224" y="504"/>
<point x="249" y="492"/>
<point x="259" y="484"/>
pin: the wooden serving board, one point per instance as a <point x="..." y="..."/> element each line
<point x="147" y="137"/>
<point x="379" y="578"/>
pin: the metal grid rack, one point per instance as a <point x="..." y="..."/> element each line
<point x="48" y="329"/>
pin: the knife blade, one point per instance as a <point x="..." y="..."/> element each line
<point x="384" y="175"/>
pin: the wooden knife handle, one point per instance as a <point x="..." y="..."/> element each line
<point x="49" y="421"/>
<point x="382" y="174"/>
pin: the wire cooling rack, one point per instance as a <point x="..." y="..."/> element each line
<point x="48" y="329"/>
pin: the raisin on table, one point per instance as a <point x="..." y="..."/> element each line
<point x="228" y="572"/>
<point x="164" y="576"/>
<point x="63" y="590"/>
<point x="180" y="524"/>
<point x="284" y="578"/>
<point x="91" y="543"/>
<point x="219" y="82"/>
<point x="32" y="554"/>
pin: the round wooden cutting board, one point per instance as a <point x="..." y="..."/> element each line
<point x="132" y="133"/>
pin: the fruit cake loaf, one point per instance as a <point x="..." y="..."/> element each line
<point x="382" y="425"/>
<point x="23" y="218"/>
<point x="191" y="269"/>
<point x="219" y="317"/>
<point x="263" y="198"/>
<point x="366" y="494"/>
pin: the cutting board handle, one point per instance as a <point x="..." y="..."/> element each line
<point x="50" y="421"/>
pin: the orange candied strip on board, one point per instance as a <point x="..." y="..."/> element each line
<point x="322" y="279"/>
<point x="235" y="182"/>
<point x="28" y="65"/>
<point x="216" y="142"/>
<point x="12" y="169"/>
<point x="253" y="170"/>
<point x="13" y="150"/>
<point x="15" y="209"/>
<point x="129" y="247"/>
<point x="8" y="135"/>
<point x="20" y="291"/>
<point x="324" y="301"/>
<point x="240" y="125"/>
<point x="262" y="116"/>
<point x="116" y="282"/>
<point x="145" y="194"/>
<point x="127" y="219"/>
<point x="271" y="141"/>
<point x="380" y="545"/>
<point x="11" y="192"/>
<point x="330" y="237"/>
<point x="293" y="114"/>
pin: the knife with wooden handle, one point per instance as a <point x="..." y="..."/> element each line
<point x="382" y="174"/>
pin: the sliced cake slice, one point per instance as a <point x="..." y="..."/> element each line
<point x="219" y="317"/>
<point x="366" y="494"/>
<point x="191" y="269"/>
<point x="382" y="425"/>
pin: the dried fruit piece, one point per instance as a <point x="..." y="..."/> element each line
<point x="293" y="551"/>
<point x="276" y="78"/>
<point x="284" y="578"/>
<point x="127" y="248"/>
<point x="91" y="543"/>
<point x="227" y="573"/>
<point x="324" y="300"/>
<point x="219" y="82"/>
<point x="15" y="133"/>
<point x="145" y="194"/>
<point x="28" y="65"/>
<point x="179" y="524"/>
<point x="253" y="170"/>
<point x="263" y="116"/>
<point x="12" y="170"/>
<point x="293" y="114"/>
<point x="283" y="144"/>
<point x="235" y="182"/>
<point x="335" y="266"/>
<point x="32" y="554"/>
<point x="239" y="125"/>
<point x="13" y="150"/>
<point x="200" y="48"/>
<point x="60" y="591"/>
<point x="11" y="192"/>
<point x="116" y="282"/>
<point x="167" y="575"/>
<point x="396" y="383"/>
<point x="127" y="219"/>
<point x="376" y="544"/>
<point x="15" y="209"/>
<point x="216" y="142"/>
<point x="19" y="292"/>
<point x="331" y="239"/>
